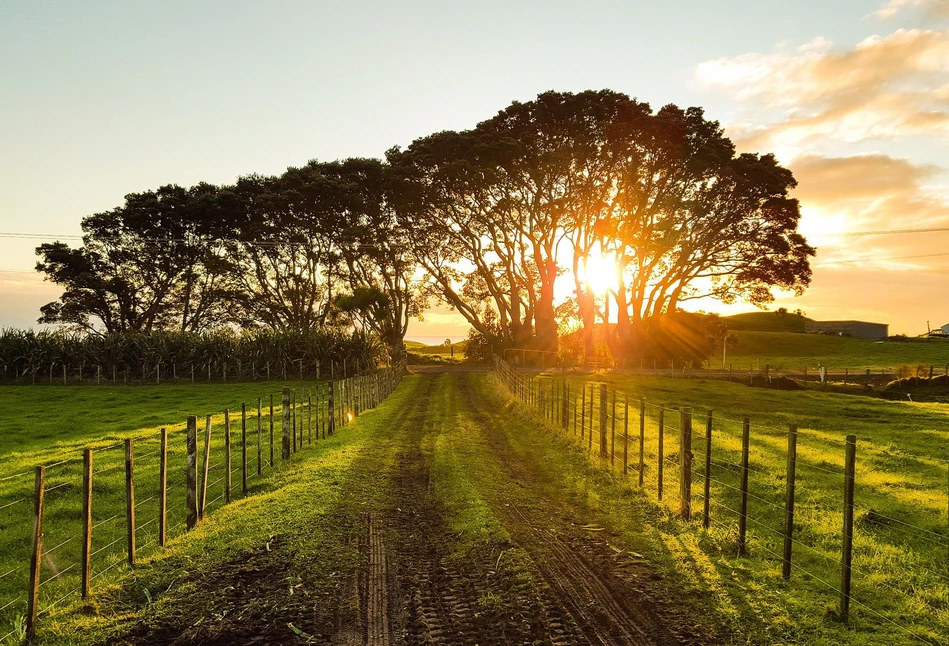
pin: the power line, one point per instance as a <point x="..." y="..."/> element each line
<point x="862" y="260"/>
<point x="893" y="231"/>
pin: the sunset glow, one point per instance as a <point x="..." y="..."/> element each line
<point x="598" y="273"/>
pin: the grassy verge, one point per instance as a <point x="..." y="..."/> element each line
<point x="272" y="557"/>
<point x="900" y="578"/>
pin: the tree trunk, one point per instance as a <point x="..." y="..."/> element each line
<point x="545" y="323"/>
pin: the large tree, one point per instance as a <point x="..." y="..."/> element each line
<point x="496" y="212"/>
<point x="379" y="290"/>
<point x="149" y="264"/>
<point x="692" y="220"/>
<point x="284" y="257"/>
<point x="451" y="201"/>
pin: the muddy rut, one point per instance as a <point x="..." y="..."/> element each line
<point x="576" y="594"/>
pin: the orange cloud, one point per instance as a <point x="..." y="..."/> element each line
<point x="884" y="87"/>
<point x="860" y="193"/>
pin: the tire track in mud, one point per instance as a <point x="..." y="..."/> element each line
<point x="436" y="601"/>
<point x="444" y="599"/>
<point x="377" y="608"/>
<point x="608" y="609"/>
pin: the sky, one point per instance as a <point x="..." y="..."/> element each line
<point x="102" y="99"/>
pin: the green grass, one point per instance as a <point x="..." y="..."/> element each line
<point x="305" y="515"/>
<point x="460" y="469"/>
<point x="900" y="580"/>
<point x="901" y="539"/>
<point x="442" y="350"/>
<point x="766" y="322"/>
<point x="791" y="352"/>
<point x="310" y="511"/>
<point x="50" y="425"/>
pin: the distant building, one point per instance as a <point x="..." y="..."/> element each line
<point x="945" y="329"/>
<point x="856" y="329"/>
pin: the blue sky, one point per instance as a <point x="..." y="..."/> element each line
<point x="100" y="99"/>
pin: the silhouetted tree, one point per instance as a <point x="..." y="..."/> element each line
<point x="149" y="264"/>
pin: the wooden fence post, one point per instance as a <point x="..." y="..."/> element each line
<point x="293" y="418"/>
<point x="603" y="401"/>
<point x="243" y="449"/>
<point x="260" y="432"/>
<point x="613" y="431"/>
<point x="285" y="428"/>
<point x="847" y="550"/>
<point x="789" y="501"/>
<point x="625" y="435"/>
<point x="271" y="427"/>
<point x="331" y="411"/>
<point x="708" y="470"/>
<point x="320" y="413"/>
<point x="743" y="514"/>
<point x="565" y="406"/>
<point x="590" y="436"/>
<point x="130" y="498"/>
<point x="583" y="411"/>
<point x="642" y="441"/>
<point x="661" y="457"/>
<point x="86" y="522"/>
<point x="36" y="558"/>
<point x="192" y="472"/>
<point x="227" y="456"/>
<point x="205" y="466"/>
<point x="162" y="487"/>
<point x="309" y="418"/>
<point x="685" y="464"/>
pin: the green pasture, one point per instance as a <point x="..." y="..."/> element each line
<point x="901" y="537"/>
<point x="51" y="425"/>
<point x="789" y="351"/>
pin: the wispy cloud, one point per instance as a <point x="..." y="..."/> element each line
<point x="861" y="193"/>
<point x="929" y="8"/>
<point x="884" y="87"/>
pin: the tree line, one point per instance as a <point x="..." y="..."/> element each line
<point x="486" y="220"/>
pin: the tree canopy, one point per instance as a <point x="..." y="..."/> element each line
<point x="502" y="222"/>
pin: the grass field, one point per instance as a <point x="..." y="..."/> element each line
<point x="791" y="352"/>
<point x="766" y="322"/>
<point x="51" y="425"/>
<point x="467" y="436"/>
<point x="901" y="569"/>
<point x="284" y="561"/>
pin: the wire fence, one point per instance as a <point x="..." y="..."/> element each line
<point x="872" y="532"/>
<point x="63" y="372"/>
<point x="69" y="527"/>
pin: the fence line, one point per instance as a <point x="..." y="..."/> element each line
<point x="61" y="572"/>
<point x="658" y="439"/>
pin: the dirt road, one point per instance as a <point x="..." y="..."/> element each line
<point x="458" y="541"/>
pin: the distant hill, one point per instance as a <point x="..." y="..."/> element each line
<point x="766" y="322"/>
<point x="459" y="348"/>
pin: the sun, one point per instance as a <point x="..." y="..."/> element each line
<point x="598" y="272"/>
